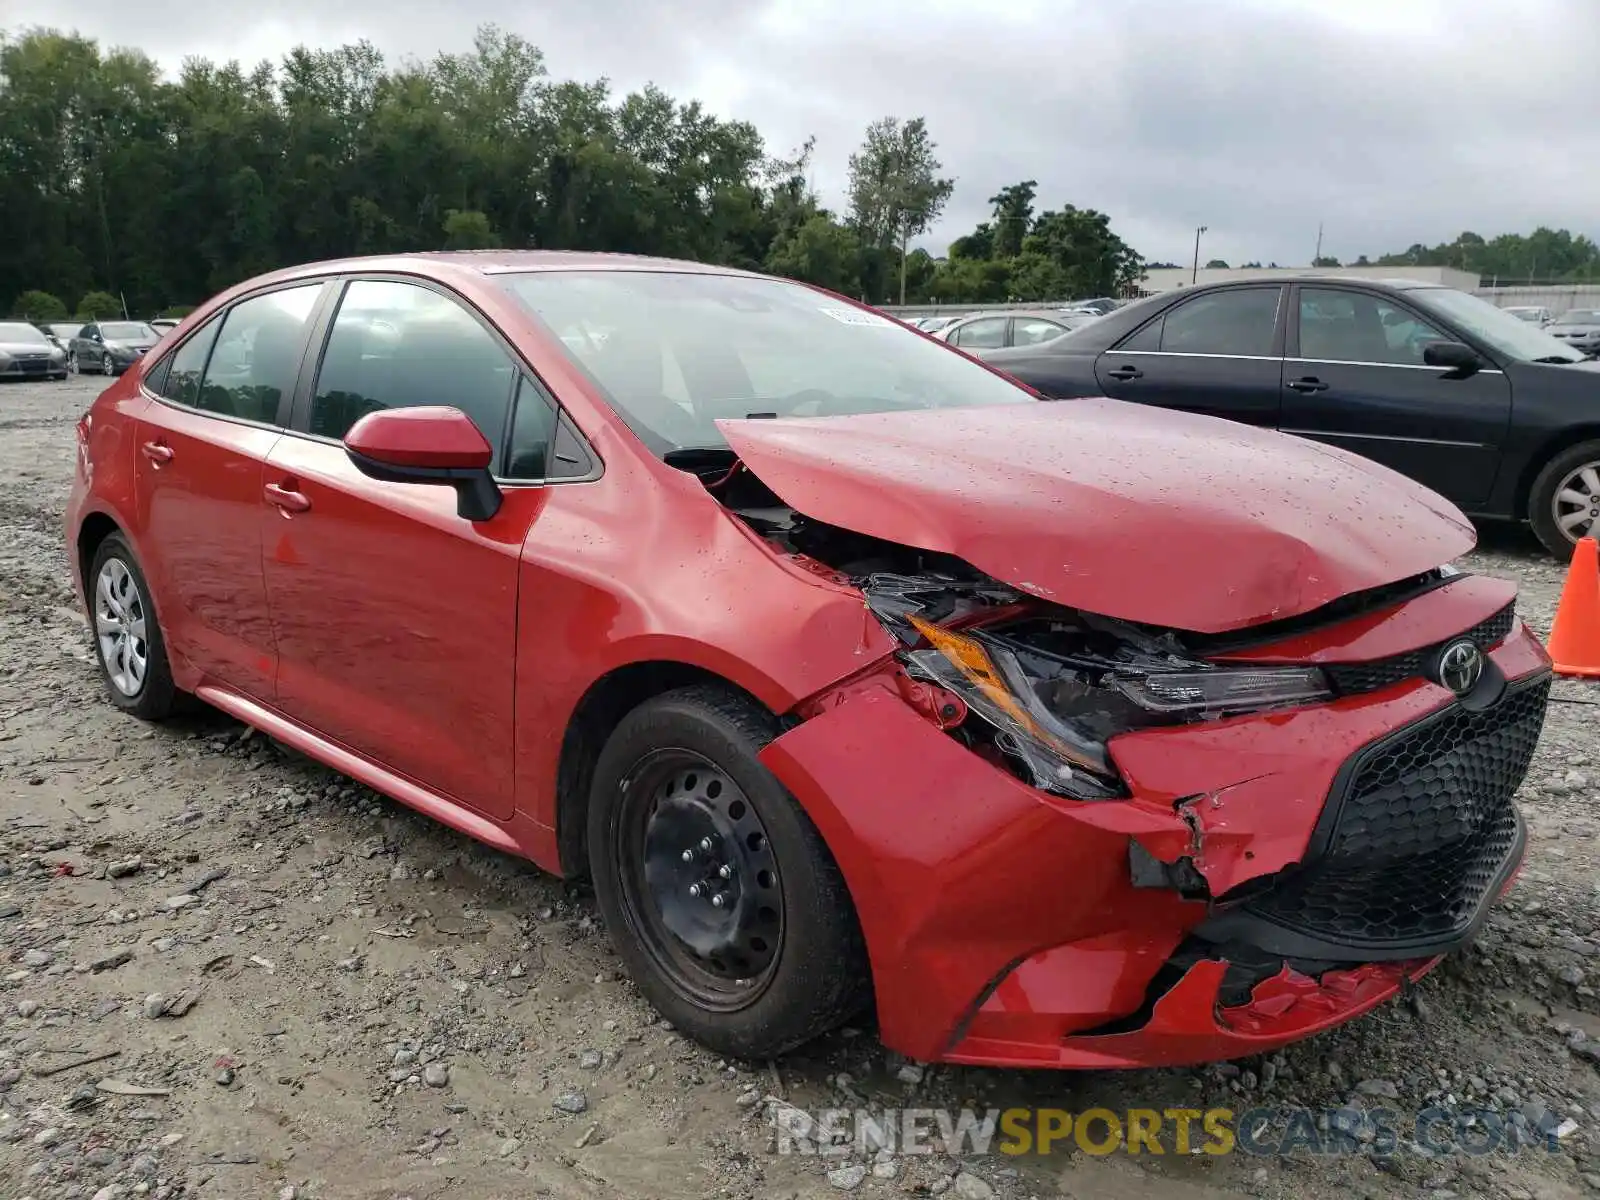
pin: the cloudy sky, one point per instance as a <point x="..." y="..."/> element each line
<point x="1389" y="121"/>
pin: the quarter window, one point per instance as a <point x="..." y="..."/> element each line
<point x="182" y="384"/>
<point x="1340" y="326"/>
<point x="256" y="359"/>
<point x="1029" y="331"/>
<point x="1240" y="323"/>
<point x="398" y="345"/>
<point x="532" y="428"/>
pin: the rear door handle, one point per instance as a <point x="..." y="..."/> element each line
<point x="286" y="498"/>
<point x="156" y="452"/>
<point x="1309" y="384"/>
<point x="1125" y="373"/>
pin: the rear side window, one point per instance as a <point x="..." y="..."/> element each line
<point x="185" y="365"/>
<point x="398" y="345"/>
<point x="256" y="359"/>
<point x="1240" y="323"/>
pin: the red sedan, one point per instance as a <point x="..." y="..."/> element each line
<point x="1062" y="734"/>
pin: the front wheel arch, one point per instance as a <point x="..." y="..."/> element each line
<point x="1540" y="489"/>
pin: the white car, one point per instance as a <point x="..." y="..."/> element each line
<point x="1532" y="314"/>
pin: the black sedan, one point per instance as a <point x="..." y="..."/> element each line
<point x="1490" y="411"/>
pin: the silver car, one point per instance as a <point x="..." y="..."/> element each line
<point x="110" y="347"/>
<point x="26" y="352"/>
<point x="1578" y="328"/>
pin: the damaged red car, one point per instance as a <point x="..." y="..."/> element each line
<point x="1060" y="735"/>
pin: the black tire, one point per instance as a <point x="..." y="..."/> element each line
<point x="73" y="367"/>
<point x="1542" y="496"/>
<point x="819" y="974"/>
<point x="156" y="697"/>
<point x="107" y="367"/>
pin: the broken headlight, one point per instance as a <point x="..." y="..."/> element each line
<point x="1055" y="692"/>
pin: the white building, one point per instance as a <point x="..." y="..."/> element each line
<point x="1167" y="279"/>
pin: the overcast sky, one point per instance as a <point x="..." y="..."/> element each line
<point x="1390" y="121"/>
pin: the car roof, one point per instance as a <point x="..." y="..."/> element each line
<point x="496" y="262"/>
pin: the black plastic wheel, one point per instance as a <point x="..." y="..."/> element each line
<point x="720" y="894"/>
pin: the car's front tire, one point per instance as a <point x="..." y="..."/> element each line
<point x="720" y="894"/>
<point x="107" y="365"/>
<point x="72" y="362"/>
<point x="1564" y="501"/>
<point x="127" y="636"/>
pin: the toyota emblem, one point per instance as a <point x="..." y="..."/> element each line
<point x="1460" y="667"/>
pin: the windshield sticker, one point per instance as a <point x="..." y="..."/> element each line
<point x="854" y="316"/>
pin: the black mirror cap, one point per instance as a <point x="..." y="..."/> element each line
<point x="1451" y="356"/>
<point x="477" y="495"/>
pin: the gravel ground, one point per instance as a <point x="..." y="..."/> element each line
<point x="293" y="987"/>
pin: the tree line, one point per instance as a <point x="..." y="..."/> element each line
<point x="119" y="185"/>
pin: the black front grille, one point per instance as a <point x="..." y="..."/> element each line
<point x="1419" y="829"/>
<point x="1353" y="678"/>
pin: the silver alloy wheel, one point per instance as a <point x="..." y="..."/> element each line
<point x="107" y="367"/>
<point x="119" y="627"/>
<point x="1575" y="507"/>
<point x="72" y="362"/>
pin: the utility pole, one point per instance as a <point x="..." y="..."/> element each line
<point x="1194" y="275"/>
<point x="905" y="237"/>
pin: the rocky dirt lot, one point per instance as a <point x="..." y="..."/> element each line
<point x="227" y="972"/>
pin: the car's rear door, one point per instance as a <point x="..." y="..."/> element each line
<point x="1354" y="378"/>
<point x="202" y="448"/>
<point x="1219" y="353"/>
<point x="395" y="618"/>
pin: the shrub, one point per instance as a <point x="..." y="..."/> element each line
<point x="39" y="306"/>
<point x="98" y="305"/>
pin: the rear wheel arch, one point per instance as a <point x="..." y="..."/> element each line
<point x="93" y="530"/>
<point x="607" y="701"/>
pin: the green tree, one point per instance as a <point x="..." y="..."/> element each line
<point x="468" y="230"/>
<point x="896" y="192"/>
<point x="98" y="306"/>
<point x="1217" y="264"/>
<point x="35" y="305"/>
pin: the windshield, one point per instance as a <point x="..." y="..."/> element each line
<point x="1501" y="331"/>
<point x="675" y="351"/>
<point x="17" y="331"/>
<point x="129" y="331"/>
<point x="1580" y="316"/>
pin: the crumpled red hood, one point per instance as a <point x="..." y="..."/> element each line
<point x="1145" y="514"/>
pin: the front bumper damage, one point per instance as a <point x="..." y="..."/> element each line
<point x="1224" y="909"/>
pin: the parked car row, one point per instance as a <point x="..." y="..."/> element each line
<point x="56" y="349"/>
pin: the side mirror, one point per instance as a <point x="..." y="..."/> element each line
<point x="434" y="444"/>
<point x="1452" y="356"/>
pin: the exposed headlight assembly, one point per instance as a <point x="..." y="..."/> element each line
<point x="1056" y="691"/>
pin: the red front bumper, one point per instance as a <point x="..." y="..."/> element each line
<point x="1002" y="922"/>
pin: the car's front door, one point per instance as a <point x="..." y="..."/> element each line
<point x="202" y="448"/>
<point x="1355" y="378"/>
<point x="1219" y="353"/>
<point x="396" y="618"/>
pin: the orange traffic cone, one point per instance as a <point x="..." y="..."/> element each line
<point x="1575" y="635"/>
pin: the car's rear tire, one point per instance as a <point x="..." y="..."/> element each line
<point x="1558" y="519"/>
<point x="127" y="636"/>
<point x="720" y="894"/>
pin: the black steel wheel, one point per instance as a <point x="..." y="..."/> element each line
<point x="700" y="884"/>
<point x="720" y="894"/>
